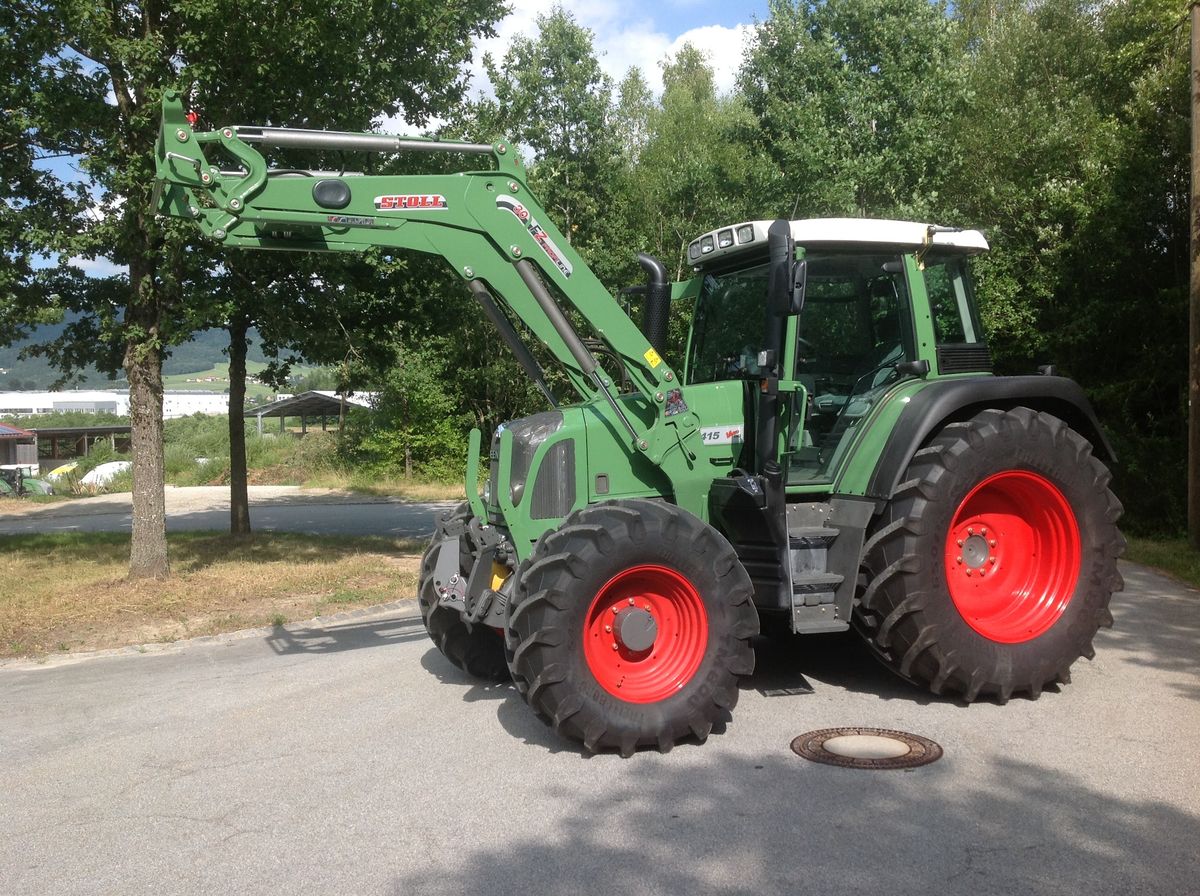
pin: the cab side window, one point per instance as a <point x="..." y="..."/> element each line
<point x="952" y="301"/>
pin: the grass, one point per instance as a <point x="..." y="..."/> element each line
<point x="69" y="592"/>
<point x="388" y="486"/>
<point x="1174" y="556"/>
<point x="220" y="375"/>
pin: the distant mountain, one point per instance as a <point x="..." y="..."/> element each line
<point x="204" y="350"/>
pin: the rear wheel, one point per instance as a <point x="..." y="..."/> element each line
<point x="477" y="649"/>
<point x="991" y="570"/>
<point x="631" y="625"/>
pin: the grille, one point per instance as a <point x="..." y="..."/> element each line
<point x="528" y="433"/>
<point x="554" y="489"/>
<point x="964" y="358"/>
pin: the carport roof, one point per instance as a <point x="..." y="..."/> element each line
<point x="8" y="431"/>
<point x="311" y="404"/>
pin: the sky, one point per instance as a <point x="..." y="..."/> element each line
<point x="628" y="33"/>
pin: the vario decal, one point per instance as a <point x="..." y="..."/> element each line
<point x="535" y="230"/>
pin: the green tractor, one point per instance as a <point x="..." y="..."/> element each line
<point x="832" y="452"/>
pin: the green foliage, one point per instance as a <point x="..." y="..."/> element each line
<point x="67" y="419"/>
<point x="852" y="99"/>
<point x="553" y="99"/>
<point x="1173" y="556"/>
<point x="415" y="427"/>
<point x="339" y="64"/>
<point x="197" y="453"/>
<point x="695" y="171"/>
<point x="101" y="452"/>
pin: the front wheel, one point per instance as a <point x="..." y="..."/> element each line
<point x="990" y="571"/>
<point x="631" y="625"/>
<point x="476" y="649"/>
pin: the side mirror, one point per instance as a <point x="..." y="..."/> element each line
<point x="913" y="368"/>
<point x="788" y="277"/>
<point x="799" y="282"/>
<point x="781" y="250"/>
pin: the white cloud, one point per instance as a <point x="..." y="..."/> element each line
<point x="624" y="37"/>
<point x="98" y="267"/>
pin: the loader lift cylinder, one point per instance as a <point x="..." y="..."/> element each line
<point x="511" y="339"/>
<point x="286" y="138"/>
<point x="584" y="358"/>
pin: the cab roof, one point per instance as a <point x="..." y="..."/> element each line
<point x="751" y="236"/>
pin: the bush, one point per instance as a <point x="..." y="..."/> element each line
<point x="316" y="452"/>
<point x="415" y="421"/>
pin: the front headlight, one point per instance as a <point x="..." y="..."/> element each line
<point x="527" y="435"/>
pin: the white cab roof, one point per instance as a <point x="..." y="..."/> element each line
<point x="752" y="236"/>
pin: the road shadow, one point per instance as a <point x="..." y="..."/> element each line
<point x="1157" y="626"/>
<point x="799" y="663"/>
<point x="513" y="713"/>
<point x="777" y="824"/>
<point x="339" y="637"/>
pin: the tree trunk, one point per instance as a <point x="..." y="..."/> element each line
<point x="143" y="367"/>
<point x="239" y="497"/>
<point x="1193" y="462"/>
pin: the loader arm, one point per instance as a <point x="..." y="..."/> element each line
<point x="484" y="223"/>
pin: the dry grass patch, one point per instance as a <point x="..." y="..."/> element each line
<point x="388" y="486"/>
<point x="69" y="591"/>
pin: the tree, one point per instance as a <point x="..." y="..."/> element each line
<point x="94" y="95"/>
<point x="553" y="98"/>
<point x="699" y="168"/>
<point x="852" y="98"/>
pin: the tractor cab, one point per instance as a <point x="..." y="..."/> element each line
<point x="882" y="301"/>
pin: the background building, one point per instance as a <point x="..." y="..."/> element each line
<point x="180" y="403"/>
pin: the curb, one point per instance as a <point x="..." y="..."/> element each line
<point x="158" y="648"/>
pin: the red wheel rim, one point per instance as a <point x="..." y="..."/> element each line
<point x="645" y="634"/>
<point x="1012" y="556"/>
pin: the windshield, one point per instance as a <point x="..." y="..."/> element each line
<point x="727" y="332"/>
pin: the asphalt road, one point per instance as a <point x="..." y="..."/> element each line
<point x="352" y="758"/>
<point x="272" y="509"/>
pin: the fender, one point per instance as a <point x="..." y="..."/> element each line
<point x="951" y="401"/>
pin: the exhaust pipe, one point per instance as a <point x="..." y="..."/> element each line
<point x="658" y="301"/>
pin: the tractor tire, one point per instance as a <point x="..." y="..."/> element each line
<point x="631" y="625"/>
<point x="991" y="569"/>
<point x="478" y="650"/>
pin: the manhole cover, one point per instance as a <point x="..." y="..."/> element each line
<point x="866" y="748"/>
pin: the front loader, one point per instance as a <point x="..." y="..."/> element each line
<point x="833" y="451"/>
